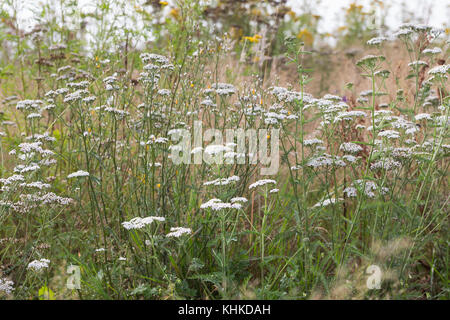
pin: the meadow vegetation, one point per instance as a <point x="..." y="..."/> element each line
<point x="90" y="122"/>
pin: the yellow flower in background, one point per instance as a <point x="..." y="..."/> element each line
<point x="354" y="7"/>
<point x="256" y="12"/>
<point x="447" y="31"/>
<point x="252" y="39"/>
<point x="163" y="3"/>
<point x="291" y="14"/>
<point x="236" y="32"/>
<point x="174" y="13"/>
<point x="306" y="36"/>
<point x="342" y="28"/>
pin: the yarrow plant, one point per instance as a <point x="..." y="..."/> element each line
<point x="186" y="159"/>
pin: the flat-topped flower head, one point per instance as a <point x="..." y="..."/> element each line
<point x="389" y="134"/>
<point x="224" y="89"/>
<point x="431" y="51"/>
<point x="222" y="181"/>
<point x="139" y="223"/>
<point x="217" y="204"/>
<point x="350" y="147"/>
<point x="177" y="232"/>
<point x="311" y="142"/>
<point x="417" y="63"/>
<point x="327" y="202"/>
<point x="439" y="70"/>
<point x="376" y="41"/>
<point x="423" y="116"/>
<point x="153" y="57"/>
<point x="217" y="149"/>
<point x="79" y="173"/>
<point x="29" y="104"/>
<point x="262" y="182"/>
<point x="6" y="286"/>
<point x="370" y="61"/>
<point x="38" y="265"/>
<point x="238" y="199"/>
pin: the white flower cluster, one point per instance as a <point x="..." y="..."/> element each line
<point x="29" y="104"/>
<point x="37" y="265"/>
<point x="177" y="232"/>
<point x="222" y="181"/>
<point x="139" y="223"/>
<point x="224" y="89"/>
<point x="389" y="134"/>
<point x="79" y="173"/>
<point x="327" y="202"/>
<point x="376" y="41"/>
<point x="310" y="142"/>
<point x="369" y="187"/>
<point x="261" y="182"/>
<point x="76" y="96"/>
<point x="439" y="70"/>
<point x="238" y="199"/>
<point x="6" y="286"/>
<point x="349" y="115"/>
<point x="326" y="160"/>
<point x="423" y="116"/>
<point x="350" y="147"/>
<point x="386" y="164"/>
<point x="217" y="149"/>
<point x="217" y="204"/>
<point x="285" y="95"/>
<point x="435" y="50"/>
